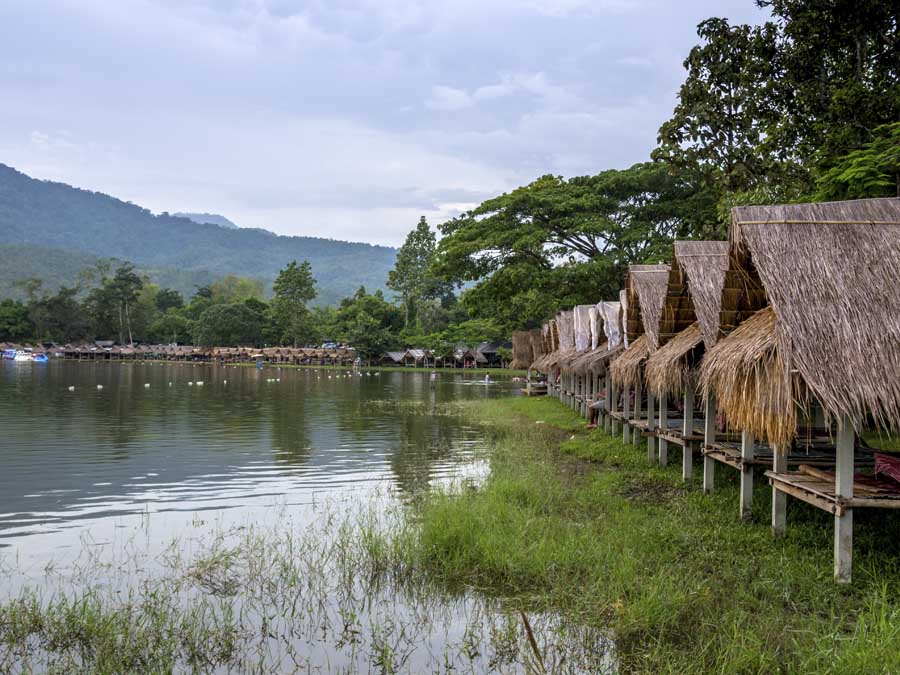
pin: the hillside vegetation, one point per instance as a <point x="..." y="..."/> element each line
<point x="80" y="225"/>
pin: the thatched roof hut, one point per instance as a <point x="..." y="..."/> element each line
<point x="521" y="350"/>
<point x="537" y="345"/>
<point x="582" y="327"/>
<point x="828" y="273"/>
<point x="690" y="316"/>
<point x="611" y="316"/>
<point x="645" y="292"/>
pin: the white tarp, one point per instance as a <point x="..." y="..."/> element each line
<point x="582" y="327"/>
<point x="565" y="325"/>
<point x="596" y="327"/>
<point x="612" y="322"/>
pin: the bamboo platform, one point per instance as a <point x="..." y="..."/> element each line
<point x="817" y="487"/>
<point x="814" y="455"/>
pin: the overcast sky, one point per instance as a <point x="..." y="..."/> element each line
<point x="336" y="118"/>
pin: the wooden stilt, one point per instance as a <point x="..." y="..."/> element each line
<point x="663" y="424"/>
<point x="709" y="437"/>
<point x="779" y="498"/>
<point x="687" y="430"/>
<point x="748" y="449"/>
<point x="651" y="427"/>
<point x="607" y="422"/>
<point x="626" y="411"/>
<point x="635" y="432"/>
<point x="843" y="488"/>
<point x="615" y="409"/>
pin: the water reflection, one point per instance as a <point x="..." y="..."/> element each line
<point x="154" y="440"/>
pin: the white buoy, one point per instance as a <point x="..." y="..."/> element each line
<point x="278" y="379"/>
<point x="170" y="384"/>
<point x="224" y="381"/>
<point x="190" y="384"/>
<point x="72" y="388"/>
<point x="146" y="385"/>
<point x="99" y="386"/>
<point x="200" y="383"/>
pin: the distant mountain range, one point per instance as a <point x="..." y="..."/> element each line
<point x="211" y="218"/>
<point x="53" y="230"/>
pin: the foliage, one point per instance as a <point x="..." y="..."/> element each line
<point x="412" y="275"/>
<point x="228" y="325"/>
<point x="871" y="171"/>
<point x="59" y="230"/>
<point x="558" y="242"/>
<point x="232" y="288"/>
<point x="723" y="106"/>
<point x="15" y="323"/>
<point x="294" y="288"/>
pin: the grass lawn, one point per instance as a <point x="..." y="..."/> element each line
<point x="575" y="521"/>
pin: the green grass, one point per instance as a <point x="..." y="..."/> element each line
<point x="575" y="521"/>
<point x="493" y="372"/>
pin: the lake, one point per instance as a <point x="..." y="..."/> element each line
<point x="121" y="476"/>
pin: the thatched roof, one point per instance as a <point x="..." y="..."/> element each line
<point x="670" y="368"/>
<point x="694" y="290"/>
<point x="645" y="287"/>
<point x="752" y="383"/>
<point x="830" y="273"/>
<point x="537" y="344"/>
<point x="626" y="369"/>
<point x="565" y="324"/>
<point x="521" y="350"/>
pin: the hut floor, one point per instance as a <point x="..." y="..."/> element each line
<point x="815" y="486"/>
<point x="812" y="454"/>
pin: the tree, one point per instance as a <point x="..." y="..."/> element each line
<point x="125" y="287"/>
<point x="723" y="108"/>
<point x="564" y="241"/>
<point x="170" y="327"/>
<point x="294" y="288"/>
<point x="167" y="299"/>
<point x="838" y="79"/>
<point x="232" y="288"/>
<point x="14" y="321"/>
<point x="411" y="276"/>
<point x="228" y="325"/>
<point x="872" y="171"/>
<point x="60" y="316"/>
<point x="369" y="337"/>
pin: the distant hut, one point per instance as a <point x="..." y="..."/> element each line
<point x="645" y="291"/>
<point x="811" y="306"/>
<point x="689" y="324"/>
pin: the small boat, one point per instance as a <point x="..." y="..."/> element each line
<point x="27" y="356"/>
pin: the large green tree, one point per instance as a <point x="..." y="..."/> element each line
<point x="871" y="171"/>
<point x="724" y="106"/>
<point x="558" y="242"/>
<point x="412" y="276"/>
<point x="228" y="325"/>
<point x="294" y="288"/>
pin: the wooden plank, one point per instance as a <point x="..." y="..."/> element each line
<point x="661" y="425"/>
<point x="709" y="434"/>
<point x="748" y="449"/>
<point x="779" y="497"/>
<point x="843" y="488"/>
<point x="687" y="428"/>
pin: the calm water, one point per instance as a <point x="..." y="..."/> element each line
<point x="226" y="500"/>
<point x="88" y="462"/>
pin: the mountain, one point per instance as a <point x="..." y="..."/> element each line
<point x="211" y="218"/>
<point x="51" y="230"/>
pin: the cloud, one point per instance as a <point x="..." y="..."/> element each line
<point x="341" y="118"/>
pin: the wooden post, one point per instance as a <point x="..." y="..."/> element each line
<point x="635" y="432"/>
<point x="607" y="422"/>
<point x="748" y="449"/>
<point x="779" y="498"/>
<point x="651" y="428"/>
<point x="843" y="489"/>
<point x="663" y="425"/>
<point x="615" y="409"/>
<point x="709" y="437"/>
<point x="687" y="429"/>
<point x="626" y="411"/>
<point x="589" y="398"/>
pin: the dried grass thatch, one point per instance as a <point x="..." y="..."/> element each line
<point x="830" y="273"/>
<point x="694" y="289"/>
<point x="753" y="385"/>
<point x="521" y="350"/>
<point x="646" y="288"/>
<point x="626" y="369"/>
<point x="671" y="367"/>
<point x="537" y="345"/>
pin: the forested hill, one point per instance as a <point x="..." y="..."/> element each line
<point x="83" y="225"/>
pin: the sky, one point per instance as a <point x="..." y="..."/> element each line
<point x="337" y="118"/>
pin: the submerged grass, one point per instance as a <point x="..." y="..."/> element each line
<point x="576" y="522"/>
